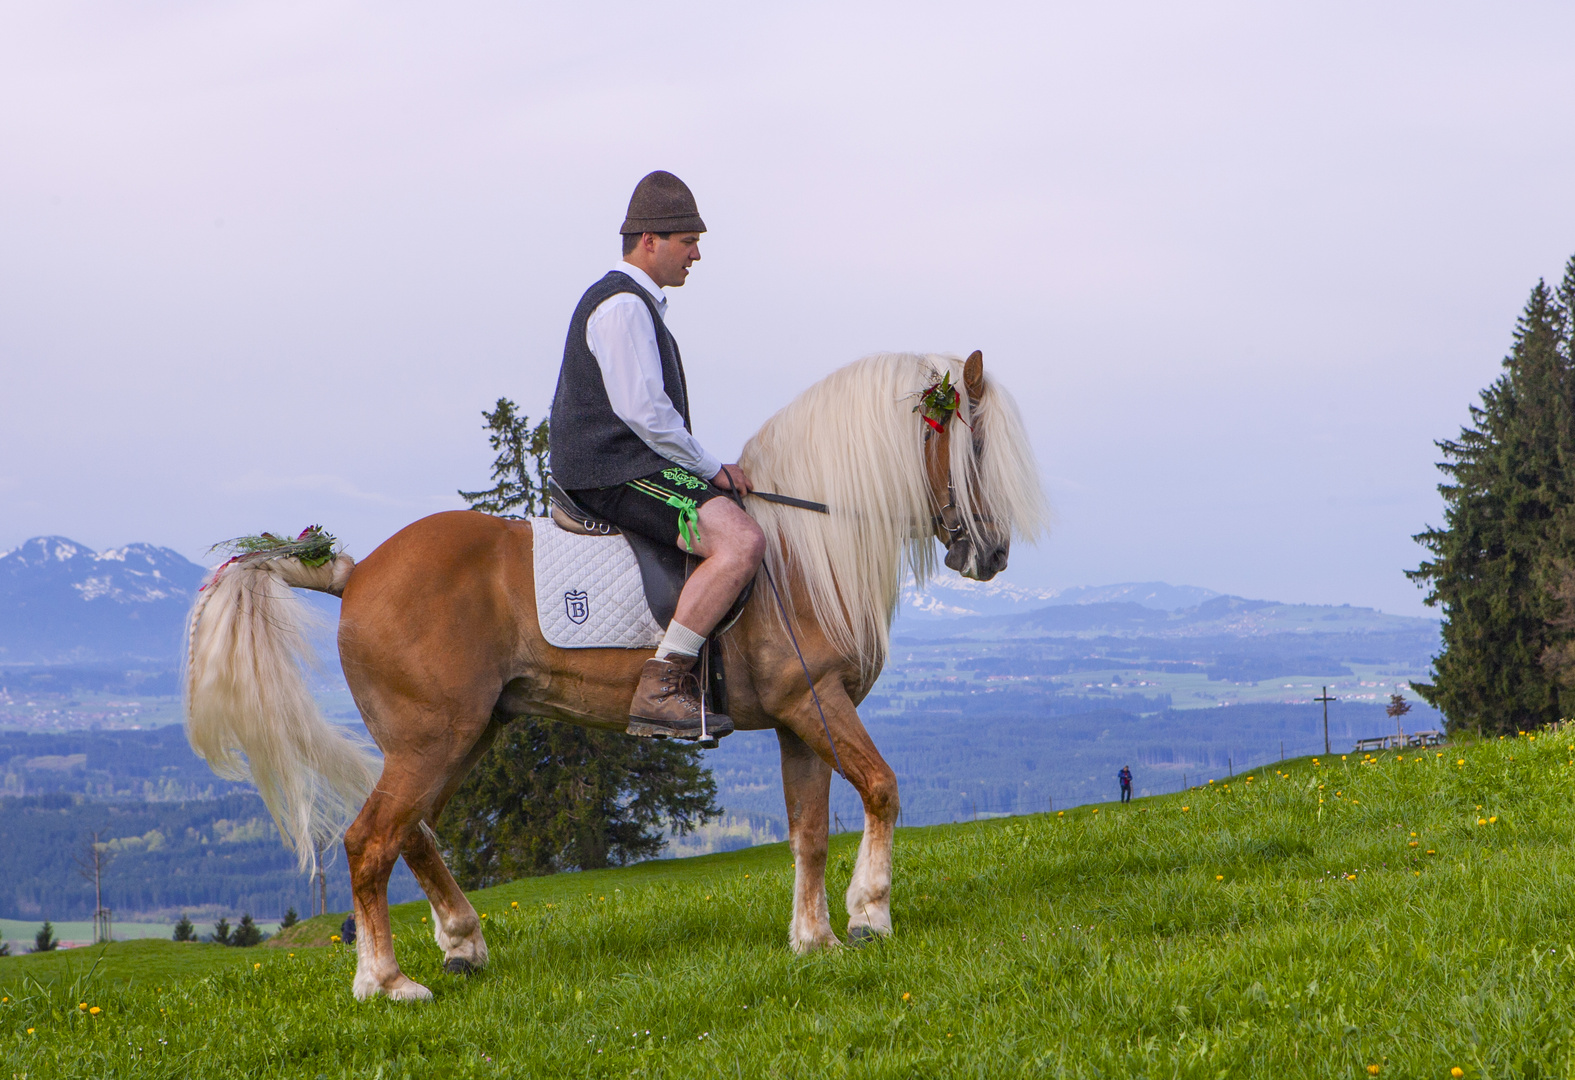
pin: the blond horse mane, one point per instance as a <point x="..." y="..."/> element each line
<point x="853" y="441"/>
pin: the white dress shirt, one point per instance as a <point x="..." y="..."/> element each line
<point x="622" y="337"/>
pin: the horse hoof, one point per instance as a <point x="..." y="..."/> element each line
<point x="862" y="935"/>
<point x="458" y="965"/>
<point x="408" y="990"/>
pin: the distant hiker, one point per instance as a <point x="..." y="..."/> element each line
<point x="1125" y="776"/>
<point x="347" y="930"/>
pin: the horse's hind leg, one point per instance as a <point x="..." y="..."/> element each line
<point x="373" y="844"/>
<point x="455" y="926"/>
<point x="806" y="785"/>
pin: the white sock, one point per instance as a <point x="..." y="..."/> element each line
<point x="679" y="640"/>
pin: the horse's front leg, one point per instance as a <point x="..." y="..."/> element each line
<point x="869" y="893"/>
<point x="806" y="785"/>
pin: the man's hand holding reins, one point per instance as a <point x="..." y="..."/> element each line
<point x="732" y="478"/>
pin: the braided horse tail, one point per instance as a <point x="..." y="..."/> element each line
<point x="249" y="712"/>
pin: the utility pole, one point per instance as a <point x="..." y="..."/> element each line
<point x="1326" y="699"/>
<point x="322" y="880"/>
<point x="91" y="864"/>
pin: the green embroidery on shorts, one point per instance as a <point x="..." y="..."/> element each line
<point x="684" y="478"/>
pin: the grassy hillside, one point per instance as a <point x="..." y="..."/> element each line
<point x="1408" y="913"/>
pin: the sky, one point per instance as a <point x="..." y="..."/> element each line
<point x="262" y="265"/>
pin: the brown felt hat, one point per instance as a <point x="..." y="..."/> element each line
<point x="662" y="203"/>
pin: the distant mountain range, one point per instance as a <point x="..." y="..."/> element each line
<point x="63" y="602"/>
<point x="951" y="596"/>
<point x="1216" y="616"/>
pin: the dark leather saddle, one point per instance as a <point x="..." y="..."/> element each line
<point x="663" y="570"/>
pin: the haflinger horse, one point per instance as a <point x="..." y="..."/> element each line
<point x="440" y="645"/>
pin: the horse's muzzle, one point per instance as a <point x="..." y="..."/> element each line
<point x="964" y="558"/>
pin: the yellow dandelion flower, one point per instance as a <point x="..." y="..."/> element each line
<point x="1184" y="809"/>
<point x="94" y="1011"/>
<point x="1219" y="877"/>
<point x="1430" y="851"/>
<point x="292" y="956"/>
<point x="1457" y="1072"/>
<point x="515" y="904"/>
<point x="1481" y="821"/>
<point x="708" y="898"/>
<point x="1413" y="834"/>
<point x="905" y="997"/>
<point x="30" y="1031"/>
<point x="82" y="1006"/>
<point x="334" y="938"/>
<point x="1060" y="813"/>
<point x="1413" y="843"/>
<point x="484" y="914"/>
<point x="1492" y="821"/>
<point x="256" y="967"/>
<point x="1460" y="761"/>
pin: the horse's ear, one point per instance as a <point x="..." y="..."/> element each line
<point x="973" y="376"/>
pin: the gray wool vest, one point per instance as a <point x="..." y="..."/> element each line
<point x="588" y="446"/>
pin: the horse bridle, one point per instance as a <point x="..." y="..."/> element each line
<point x="948" y="518"/>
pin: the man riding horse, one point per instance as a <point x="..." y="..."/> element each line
<point x="622" y="447"/>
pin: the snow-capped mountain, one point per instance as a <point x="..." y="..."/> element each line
<point x="63" y="601"/>
<point x="951" y="597"/>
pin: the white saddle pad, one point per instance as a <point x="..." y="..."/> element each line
<point x="588" y="591"/>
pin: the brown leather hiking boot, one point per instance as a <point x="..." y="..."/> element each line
<point x="666" y="704"/>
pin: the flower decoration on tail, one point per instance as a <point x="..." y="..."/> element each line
<point x="314" y="547"/>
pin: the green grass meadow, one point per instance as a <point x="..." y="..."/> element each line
<point x="1410" y="913"/>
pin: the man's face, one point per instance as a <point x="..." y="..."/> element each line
<point x="668" y="261"/>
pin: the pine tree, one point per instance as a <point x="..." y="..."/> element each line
<point x="44" y="940"/>
<point x="550" y="795"/>
<point x="289" y="920"/>
<point x="184" y="931"/>
<point x="520" y="468"/>
<point x="553" y="796"/>
<point x="221" y="931"/>
<point x="246" y="934"/>
<point x="1498" y="563"/>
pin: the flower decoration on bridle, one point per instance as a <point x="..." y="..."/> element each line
<point x="938" y="402"/>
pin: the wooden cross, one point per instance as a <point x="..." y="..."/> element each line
<point x="1326" y="699"/>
